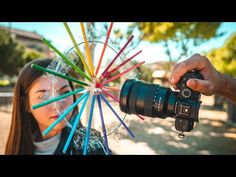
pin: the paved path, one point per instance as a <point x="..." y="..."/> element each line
<point x="212" y="135"/>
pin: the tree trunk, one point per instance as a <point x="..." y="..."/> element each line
<point x="218" y="102"/>
<point x="168" y="53"/>
<point x="231" y="112"/>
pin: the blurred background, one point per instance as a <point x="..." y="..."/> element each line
<point x="163" y="44"/>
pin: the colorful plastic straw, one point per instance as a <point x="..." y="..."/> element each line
<point x="116" y="99"/>
<point x="45" y="132"/>
<point x="104" y="48"/>
<point x="103" y="124"/>
<point x="111" y="88"/>
<point x="75" y="125"/>
<point x="58" y="74"/>
<point x="118" y="117"/>
<point x="57" y="98"/>
<point x="89" y="126"/>
<point x="117" y="55"/>
<point x="87" y="49"/>
<point x="77" y="48"/>
<point x="66" y="60"/>
<point x="122" y="64"/>
<point x="110" y="95"/>
<point x="122" y="73"/>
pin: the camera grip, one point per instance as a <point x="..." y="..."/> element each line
<point x="185" y="91"/>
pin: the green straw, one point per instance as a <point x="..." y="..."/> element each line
<point x="56" y="99"/>
<point x="76" y="47"/>
<point x="58" y="74"/>
<point x="66" y="60"/>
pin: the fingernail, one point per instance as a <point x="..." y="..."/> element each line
<point x="190" y="83"/>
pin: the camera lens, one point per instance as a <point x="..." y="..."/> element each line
<point x="150" y="100"/>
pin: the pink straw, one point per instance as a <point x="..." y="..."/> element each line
<point x="122" y="73"/>
<point x="110" y="95"/>
<point x="116" y="99"/>
<point x="118" y="54"/>
<point x="111" y="88"/>
<point x="122" y="64"/>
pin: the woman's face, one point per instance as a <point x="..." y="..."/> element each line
<point x="42" y="90"/>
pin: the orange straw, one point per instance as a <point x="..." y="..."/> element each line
<point x="104" y="48"/>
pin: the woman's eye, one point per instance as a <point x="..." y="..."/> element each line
<point x="64" y="92"/>
<point x="43" y="96"/>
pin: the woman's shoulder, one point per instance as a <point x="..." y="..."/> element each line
<point x="96" y="145"/>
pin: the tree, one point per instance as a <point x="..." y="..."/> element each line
<point x="11" y="54"/>
<point x="121" y="36"/>
<point x="183" y="35"/>
<point x="224" y="59"/>
<point x="31" y="54"/>
<point x="14" y="55"/>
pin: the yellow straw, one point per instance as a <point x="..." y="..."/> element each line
<point x="77" y="48"/>
<point x="87" y="49"/>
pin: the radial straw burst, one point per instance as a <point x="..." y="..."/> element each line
<point x="95" y="87"/>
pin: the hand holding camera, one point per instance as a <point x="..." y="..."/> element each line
<point x="152" y="100"/>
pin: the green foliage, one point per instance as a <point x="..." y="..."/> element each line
<point x="4" y="82"/>
<point x="224" y="58"/>
<point x="182" y="34"/>
<point x="177" y="31"/>
<point x="146" y="74"/>
<point x="30" y="54"/>
<point x="122" y="36"/>
<point x="13" y="55"/>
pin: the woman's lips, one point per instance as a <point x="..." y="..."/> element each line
<point x="54" y="117"/>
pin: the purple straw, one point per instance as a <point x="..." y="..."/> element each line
<point x="118" y="117"/>
<point x="103" y="124"/>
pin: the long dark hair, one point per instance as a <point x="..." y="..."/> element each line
<point x="23" y="125"/>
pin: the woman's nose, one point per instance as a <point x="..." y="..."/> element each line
<point x="58" y="105"/>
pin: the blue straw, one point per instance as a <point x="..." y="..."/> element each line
<point x="57" y="98"/>
<point x="118" y="117"/>
<point x="75" y="124"/>
<point x="45" y="132"/>
<point x="103" y="124"/>
<point x="89" y="125"/>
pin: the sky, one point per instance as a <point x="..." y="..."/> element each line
<point x="56" y="32"/>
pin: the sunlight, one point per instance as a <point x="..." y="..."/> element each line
<point x="230" y="135"/>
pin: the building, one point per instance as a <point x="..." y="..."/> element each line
<point x="31" y="40"/>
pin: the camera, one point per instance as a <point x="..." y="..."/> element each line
<point x="152" y="100"/>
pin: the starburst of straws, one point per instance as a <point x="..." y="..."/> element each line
<point x="95" y="88"/>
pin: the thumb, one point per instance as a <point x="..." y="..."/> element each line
<point x="198" y="85"/>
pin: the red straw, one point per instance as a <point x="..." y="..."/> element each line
<point x="122" y="64"/>
<point x="124" y="72"/>
<point x="104" y="48"/>
<point x="140" y="117"/>
<point x="118" y="54"/>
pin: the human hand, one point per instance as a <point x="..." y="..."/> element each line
<point x="212" y="82"/>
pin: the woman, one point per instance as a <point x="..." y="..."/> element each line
<point x="27" y="125"/>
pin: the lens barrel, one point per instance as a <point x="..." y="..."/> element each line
<point x="150" y="100"/>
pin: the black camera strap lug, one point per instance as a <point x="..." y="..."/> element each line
<point x="181" y="135"/>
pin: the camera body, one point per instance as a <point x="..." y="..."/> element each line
<point x="152" y="100"/>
